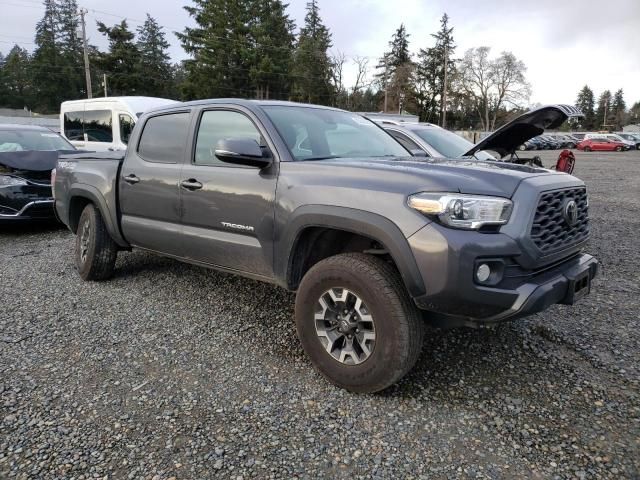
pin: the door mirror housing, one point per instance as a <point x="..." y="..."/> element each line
<point x="243" y="151"/>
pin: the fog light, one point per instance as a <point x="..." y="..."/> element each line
<point x="483" y="272"/>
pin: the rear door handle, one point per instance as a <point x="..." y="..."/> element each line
<point x="132" y="179"/>
<point x="191" y="184"/>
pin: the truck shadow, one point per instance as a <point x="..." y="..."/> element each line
<point x="492" y="359"/>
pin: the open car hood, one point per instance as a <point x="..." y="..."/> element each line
<point x="32" y="160"/>
<point x="508" y="138"/>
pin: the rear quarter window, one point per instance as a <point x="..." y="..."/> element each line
<point x="164" y="138"/>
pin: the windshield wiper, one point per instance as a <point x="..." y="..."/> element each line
<point x="311" y="159"/>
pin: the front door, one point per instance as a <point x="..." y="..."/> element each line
<point x="149" y="185"/>
<point x="228" y="210"/>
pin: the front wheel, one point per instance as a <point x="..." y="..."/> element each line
<point x="587" y="149"/>
<point x="618" y="149"/>
<point x="356" y="322"/>
<point x="96" y="251"/>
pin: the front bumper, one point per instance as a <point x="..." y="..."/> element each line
<point x="26" y="202"/>
<point x="447" y="261"/>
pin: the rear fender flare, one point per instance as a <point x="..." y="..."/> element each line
<point x="92" y="194"/>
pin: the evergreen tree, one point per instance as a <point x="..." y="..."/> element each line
<point x="154" y="66"/>
<point x="586" y="103"/>
<point x="122" y="60"/>
<point x="603" y="112"/>
<point x="220" y="49"/>
<point x="70" y="45"/>
<point x="312" y="67"/>
<point x="430" y="72"/>
<point x="16" y="78"/>
<point x="271" y="32"/>
<point x="397" y="70"/>
<point x="46" y="65"/>
<point x="618" y="110"/>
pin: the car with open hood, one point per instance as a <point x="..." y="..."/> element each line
<point x="28" y="154"/>
<point x="437" y="142"/>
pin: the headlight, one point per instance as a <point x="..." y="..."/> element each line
<point x="9" y="181"/>
<point x="457" y="210"/>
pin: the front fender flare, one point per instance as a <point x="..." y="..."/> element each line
<point x="372" y="225"/>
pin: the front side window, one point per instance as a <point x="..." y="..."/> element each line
<point x="448" y="144"/>
<point x="405" y="141"/>
<point x="73" y="128"/>
<point x="164" y="138"/>
<point x="318" y="133"/>
<point x="217" y="125"/>
<point x="126" y="127"/>
<point x="98" y="126"/>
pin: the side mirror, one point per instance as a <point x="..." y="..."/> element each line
<point x="416" y="152"/>
<point x="242" y="151"/>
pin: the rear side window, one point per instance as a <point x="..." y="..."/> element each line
<point x="73" y="128"/>
<point x="164" y="137"/>
<point x="98" y="126"/>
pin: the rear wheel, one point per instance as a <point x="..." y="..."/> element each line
<point x="356" y="322"/>
<point x="96" y="251"/>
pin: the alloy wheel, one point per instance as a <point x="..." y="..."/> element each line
<point x="84" y="241"/>
<point x="345" y="326"/>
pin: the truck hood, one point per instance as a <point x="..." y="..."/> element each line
<point x="508" y="138"/>
<point x="414" y="174"/>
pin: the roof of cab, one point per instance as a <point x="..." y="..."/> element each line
<point x="239" y="101"/>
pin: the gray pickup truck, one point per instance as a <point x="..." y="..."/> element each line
<point x="324" y="202"/>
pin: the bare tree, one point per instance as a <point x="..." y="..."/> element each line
<point x="492" y="84"/>
<point x="362" y="67"/>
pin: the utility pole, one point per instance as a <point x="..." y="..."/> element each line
<point x="444" y="88"/>
<point x="604" y="120"/>
<point x="87" y="71"/>
<point x="104" y="83"/>
<point x="385" y="83"/>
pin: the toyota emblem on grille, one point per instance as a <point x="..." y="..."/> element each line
<point x="570" y="213"/>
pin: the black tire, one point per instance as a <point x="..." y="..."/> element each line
<point x="618" y="149"/>
<point x="587" y="149"/>
<point x="399" y="327"/>
<point x="522" y="147"/>
<point x="96" y="251"/>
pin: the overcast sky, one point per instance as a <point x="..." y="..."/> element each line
<point x="564" y="43"/>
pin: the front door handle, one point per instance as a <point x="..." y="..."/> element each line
<point x="191" y="184"/>
<point x="132" y="179"/>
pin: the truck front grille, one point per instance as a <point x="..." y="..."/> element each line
<point x="552" y="229"/>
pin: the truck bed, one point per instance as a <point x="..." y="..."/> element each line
<point x="95" y="177"/>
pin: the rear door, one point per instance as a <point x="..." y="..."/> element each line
<point x="149" y="184"/>
<point x="228" y="210"/>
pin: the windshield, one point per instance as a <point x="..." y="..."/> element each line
<point x="317" y="134"/>
<point x="38" y="140"/>
<point x="448" y="144"/>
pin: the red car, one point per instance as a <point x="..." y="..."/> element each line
<point x="601" y="144"/>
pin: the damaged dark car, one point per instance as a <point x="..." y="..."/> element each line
<point x="28" y="154"/>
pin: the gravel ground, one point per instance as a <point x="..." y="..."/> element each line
<point x="172" y="371"/>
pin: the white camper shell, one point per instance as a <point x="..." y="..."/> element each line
<point x="101" y="124"/>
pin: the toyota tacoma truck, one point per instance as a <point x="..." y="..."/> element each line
<point x="375" y="242"/>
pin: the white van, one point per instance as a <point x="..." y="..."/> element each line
<point x="101" y="124"/>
